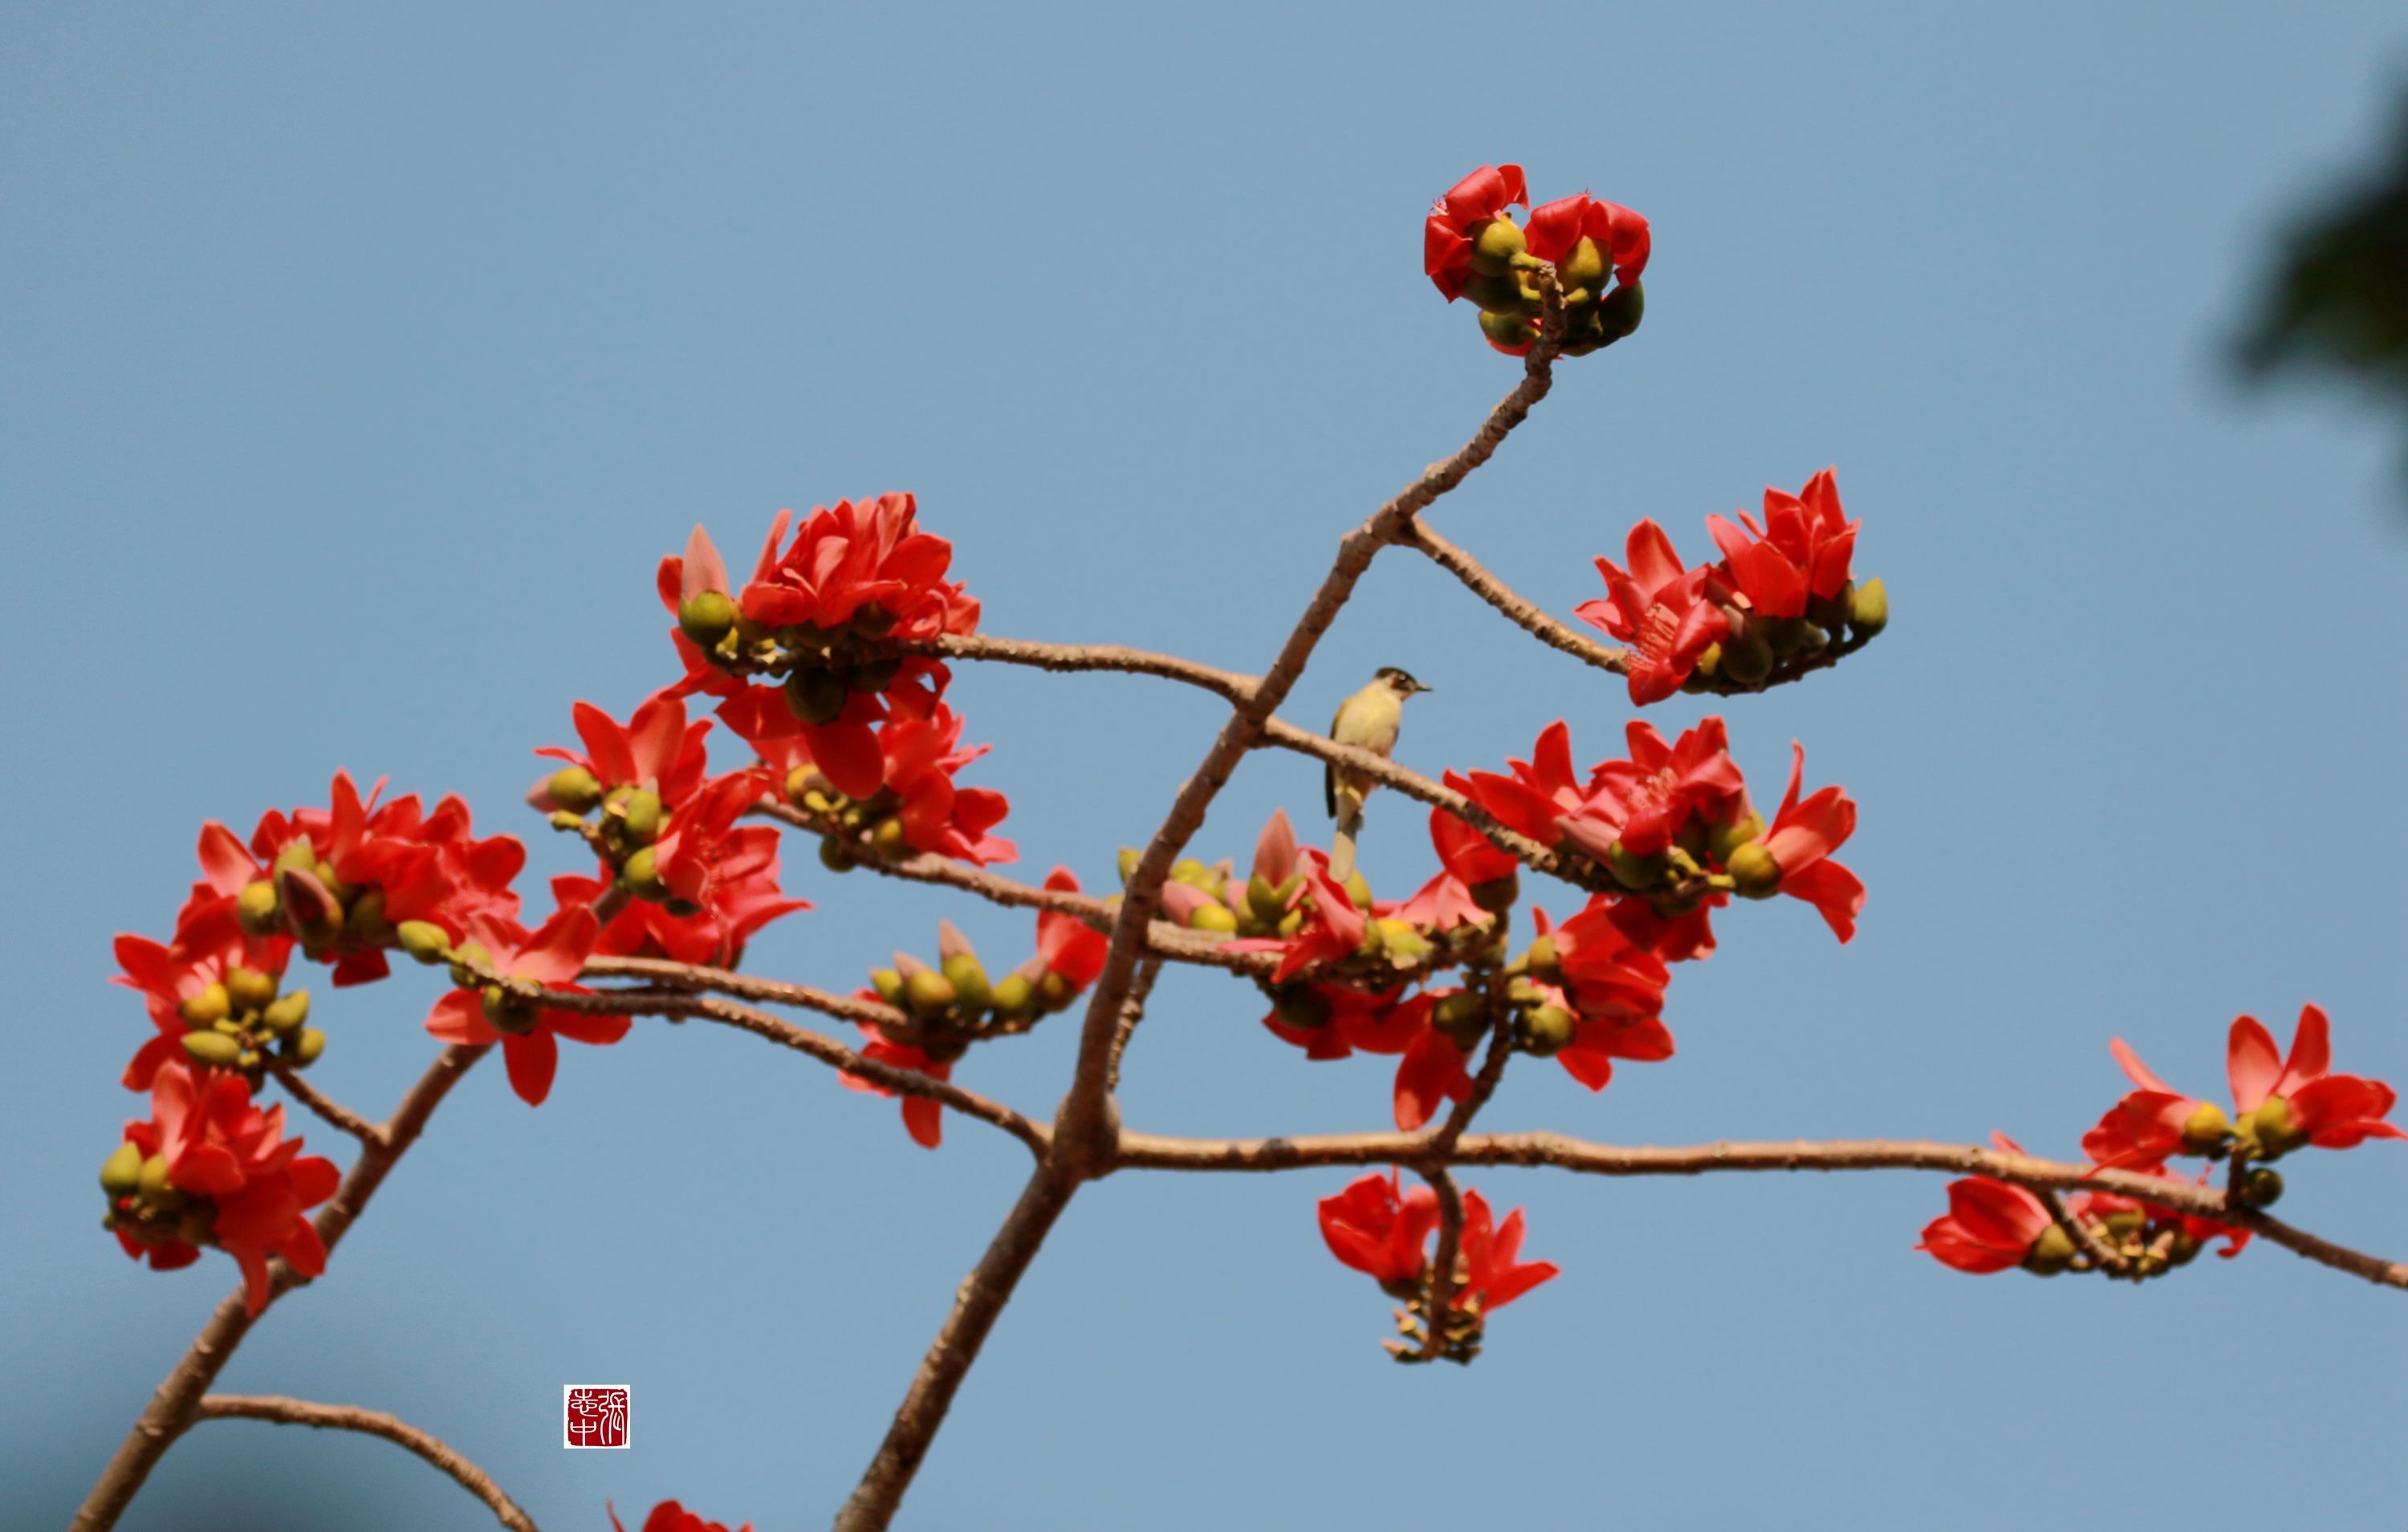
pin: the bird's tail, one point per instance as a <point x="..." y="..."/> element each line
<point x="1350" y="823"/>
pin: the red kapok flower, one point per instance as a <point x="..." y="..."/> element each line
<point x="204" y="950"/>
<point x="1454" y="218"/>
<point x="528" y="1030"/>
<point x="1801" y="550"/>
<point x="1645" y="801"/>
<point x="2295" y="1101"/>
<point x="1066" y="945"/>
<point x="1658" y="607"/>
<point x="1617" y="234"/>
<point x="231" y="1177"/>
<point x="669" y="1516"/>
<point x="1379" y="1230"/>
<point x="923" y="1117"/>
<point x="1333" y="926"/>
<point x="1800" y="841"/>
<point x="1495" y="1272"/>
<point x="1990" y="1225"/>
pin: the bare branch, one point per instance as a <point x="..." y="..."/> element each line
<point x="1525" y="614"/>
<point x="1136" y="662"/>
<point x="331" y="1111"/>
<point x="169" y="1413"/>
<point x="268" y="1406"/>
<point x="2086" y="1239"/>
<point x="1442" y="1267"/>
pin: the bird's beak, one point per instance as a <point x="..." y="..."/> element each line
<point x="1419" y="687"/>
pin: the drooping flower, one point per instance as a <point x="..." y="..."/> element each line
<point x="922" y="1117"/>
<point x="1990" y="1225"/>
<point x="1379" y="1230"/>
<point x="211" y="1167"/>
<point x="1495" y="1272"/>
<point x="1800" y="841"/>
<point x="1068" y="946"/>
<point x="528" y="1030"/>
<point x="1614" y="990"/>
<point x="1455" y="218"/>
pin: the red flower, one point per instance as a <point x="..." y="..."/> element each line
<point x="1433" y="1070"/>
<point x="1066" y="945"/>
<point x="1454" y="218"/>
<point x="1616" y="988"/>
<point x="669" y="1516"/>
<point x="1378" y="1230"/>
<point x="1800" y="841"/>
<point x="657" y="749"/>
<point x="923" y="1117"/>
<point x="917" y="760"/>
<point x="2328" y="1110"/>
<point x="1333" y="926"/>
<point x="528" y="1031"/>
<point x="1801" y="549"/>
<point x="1990" y="1225"/>
<point x="1645" y="801"/>
<point x="207" y="947"/>
<point x="1539" y="794"/>
<point x="1658" y="607"/>
<point x="2145" y="1125"/>
<point x="1466" y="854"/>
<point x="1618" y="234"/>
<point x="231" y="1177"/>
<point x="1495" y="1274"/>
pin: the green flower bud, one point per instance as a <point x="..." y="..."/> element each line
<point x="257" y="909"/>
<point x="1547" y="1030"/>
<point x="1502" y="294"/>
<point x="1633" y="872"/>
<point x="2264" y="1186"/>
<point x="1300" y="1009"/>
<point x="928" y="993"/>
<point x="1620" y="312"/>
<point x="287" y="1013"/>
<point x="816" y="695"/>
<point x="306" y="1045"/>
<point x="2206" y="1129"/>
<point x="889" y="985"/>
<point x="1753" y="869"/>
<point x="1013" y="995"/>
<point x="1723" y="839"/>
<point x="506" y="1011"/>
<point x="837" y="855"/>
<point x="1358" y="889"/>
<point x="1130" y="857"/>
<point x="1190" y="871"/>
<point x="1463" y="1016"/>
<point x="2055" y="1247"/>
<point x="1054" y="992"/>
<point x="153" y="1187"/>
<point x="875" y="674"/>
<point x="639" y="817"/>
<point x="1747" y="657"/>
<point x="1402" y="939"/>
<point x="887" y="839"/>
<point x="250" y="989"/>
<point x="1869" y="606"/>
<point x="573" y="789"/>
<point x="1541" y="962"/>
<point x="2126" y="1226"/>
<point x="206" y="1009"/>
<point x="706" y="616"/>
<point x="968" y="975"/>
<point x="122" y="1172"/>
<point x="469" y="952"/>
<point x="642" y="872"/>
<point x="248" y="1061"/>
<point x="1585" y="266"/>
<point x="1291" y="922"/>
<point x="365" y="921"/>
<point x="213" y="1048"/>
<point x="1263" y="900"/>
<point x="2271" y="1124"/>
<point x="1495" y="244"/>
<point x="802" y="783"/>
<point x="1508" y="329"/>
<point x="1497" y="895"/>
<point x="300" y="856"/>
<point x="1217" y="919"/>
<point x="423" y="940"/>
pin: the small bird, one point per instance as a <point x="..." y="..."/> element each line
<point x="1369" y="720"/>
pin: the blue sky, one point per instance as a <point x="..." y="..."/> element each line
<point x="356" y="368"/>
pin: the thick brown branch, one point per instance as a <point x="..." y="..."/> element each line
<point x="1136" y="662"/>
<point x="170" y="1409"/>
<point x="268" y="1406"/>
<point x="980" y="1299"/>
<point x="326" y="1108"/>
<point x="714" y="1007"/>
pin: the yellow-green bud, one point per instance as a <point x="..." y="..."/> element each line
<point x="1358" y="889"/>
<point x="816" y="695"/>
<point x="706" y="616"/>
<point x="2272" y="1126"/>
<point x="639" y="817"/>
<point x="365" y="921"/>
<point x="1619" y="314"/>
<point x="1190" y="871"/>
<point x="257" y="909"/>
<point x="1633" y="872"/>
<point x="968" y="975"/>
<point x="507" y="1012"/>
<point x="1508" y="329"/>
<point x="1547" y="1030"/>
<point x="2055" y="1247"/>
<point x="1542" y="961"/>
<point x="889" y="985"/>
<point x="1723" y="839"/>
<point x="214" y="1049"/>
<point x="643" y="874"/>
<point x="1054" y="992"/>
<point x="1869" y="606"/>
<point x="1263" y="900"/>
<point x="887" y="839"/>
<point x="468" y="953"/>
<point x="300" y="856"/>
<point x="1755" y="871"/>
<point x="1463" y="1017"/>
<point x="250" y="989"/>
<point x="1502" y="294"/>
<point x="285" y="1014"/>
<point x="874" y="675"/>
<point x="836" y="855"/>
<point x="153" y="1186"/>
<point x="2126" y="1226"/>
<point x="1303" y="1009"/>
<point x="206" y="1009"/>
<point x="1130" y="857"/>
<point x="122" y="1172"/>
<point x="573" y="789"/>
<point x="2264" y="1186"/>
<point x="800" y="786"/>
<point x="423" y="940"/>
<point x="1585" y="266"/>
<point x="1215" y="918"/>
<point x="1013" y="994"/>
<point x="1291" y="922"/>
<point x="306" y="1045"/>
<point x="1495" y="244"/>
<point x="1402" y="939"/>
<point x="928" y="993"/>
<point x="2206" y="1129"/>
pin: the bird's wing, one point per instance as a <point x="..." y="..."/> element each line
<point x="1329" y="774"/>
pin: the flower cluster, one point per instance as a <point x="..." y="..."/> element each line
<point x="1472" y="249"/>
<point x="1782" y="599"/>
<point x="916" y="809"/>
<point x="695" y="884"/>
<point x="2280" y="1103"/>
<point x="211" y="1169"/>
<point x="669" y="1516"/>
<point x="823" y="618"/>
<point x="940" y="1009"/>
<point x="500" y="975"/>
<point x="1385" y="1232"/>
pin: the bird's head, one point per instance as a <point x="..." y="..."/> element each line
<point x="1399" y="681"/>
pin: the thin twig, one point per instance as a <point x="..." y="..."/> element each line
<point x="2086" y="1239"/>
<point x="326" y="1108"/>
<point x="1136" y="662"/>
<point x="1442" y="1267"/>
<point x="169" y="1413"/>
<point x="1133" y="1012"/>
<point x="343" y="1417"/>
<point x="1523" y="613"/>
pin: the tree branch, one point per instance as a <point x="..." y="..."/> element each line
<point x="169" y="1413"/>
<point x="1525" y="614"/>
<point x="268" y="1406"/>
<point x="330" y="1110"/>
<point x="1136" y="662"/>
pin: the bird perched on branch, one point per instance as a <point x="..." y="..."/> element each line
<point x="1369" y="720"/>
